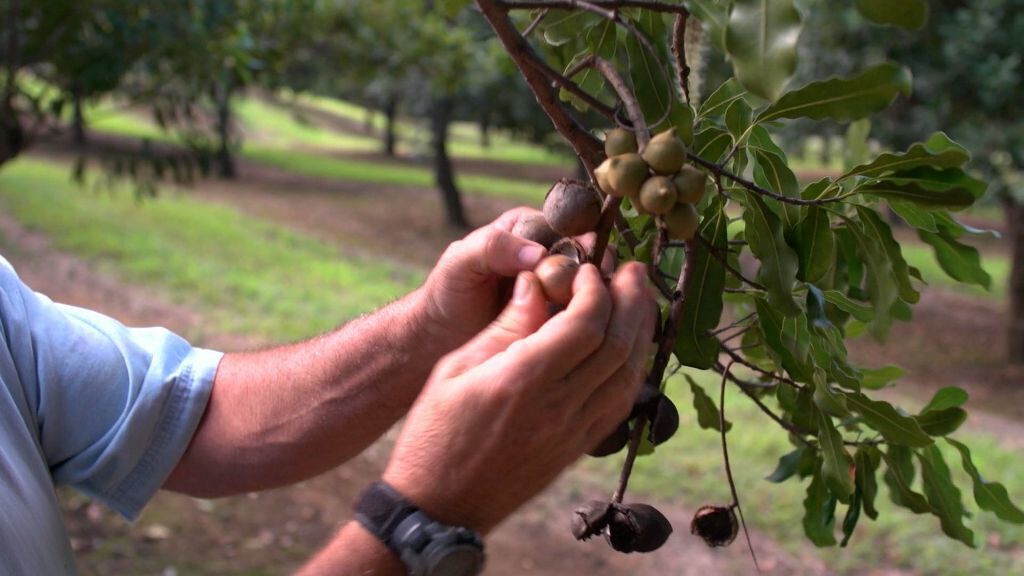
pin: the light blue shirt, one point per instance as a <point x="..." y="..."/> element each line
<point x="88" y="403"/>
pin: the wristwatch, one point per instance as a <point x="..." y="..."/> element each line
<point x="426" y="546"/>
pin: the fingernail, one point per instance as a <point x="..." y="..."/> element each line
<point x="522" y="290"/>
<point x="529" y="255"/>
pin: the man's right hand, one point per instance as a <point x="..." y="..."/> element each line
<point x="503" y="415"/>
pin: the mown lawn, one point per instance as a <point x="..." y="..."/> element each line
<point x="248" y="275"/>
<point x="689" y="469"/>
<point x="280" y="140"/>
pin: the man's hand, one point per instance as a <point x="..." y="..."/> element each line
<point x="503" y="415"/>
<point x="463" y="293"/>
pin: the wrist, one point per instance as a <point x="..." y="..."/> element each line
<point x="439" y="502"/>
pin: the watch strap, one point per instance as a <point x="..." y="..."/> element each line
<point x="380" y="509"/>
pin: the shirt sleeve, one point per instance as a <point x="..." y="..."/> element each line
<point x="114" y="407"/>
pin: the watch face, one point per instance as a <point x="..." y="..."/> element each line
<point x="456" y="561"/>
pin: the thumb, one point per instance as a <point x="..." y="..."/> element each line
<point x="526" y="312"/>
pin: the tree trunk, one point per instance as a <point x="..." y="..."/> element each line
<point x="77" y="119"/>
<point x="12" y="136"/>
<point x="1015" y="231"/>
<point x="485" y="130"/>
<point x="224" y="159"/>
<point x="390" y="116"/>
<point x="440" y="115"/>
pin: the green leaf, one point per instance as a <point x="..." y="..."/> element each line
<point x="714" y="14"/>
<point x="771" y="171"/>
<point x="761" y="39"/>
<point x="937" y="152"/>
<point x="852" y="516"/>
<point x="859" y="311"/>
<point x="910" y="14"/>
<point x="959" y="261"/>
<point x="843" y="99"/>
<point x="881" y="233"/>
<point x="948" y="397"/>
<point x="601" y="41"/>
<point x="990" y="496"/>
<point x="819" y="520"/>
<point x="817" y="248"/>
<point x="943" y="496"/>
<point x="779" y="263"/>
<point x="828" y="400"/>
<point x="882" y="288"/>
<point x="876" y="379"/>
<point x="835" y="460"/>
<point x="788" y="466"/>
<point x="899" y="476"/>
<point x="914" y="215"/>
<point x="719" y="101"/>
<point x="707" y="412"/>
<point x="694" y="347"/>
<point x="893" y="426"/>
<point x="712" y="143"/>
<point x="941" y="422"/>
<point x="562" y="26"/>
<point x="866" y="461"/>
<point x="787" y="337"/>
<point x="918" y="192"/>
<point x="737" y="120"/>
<point x="650" y="83"/>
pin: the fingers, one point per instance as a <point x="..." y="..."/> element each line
<point x="507" y="221"/>
<point x="630" y="328"/>
<point x="526" y="311"/>
<point x="490" y="252"/>
<point x="613" y="400"/>
<point x="569" y="337"/>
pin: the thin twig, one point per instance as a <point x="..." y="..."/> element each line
<point x="713" y="250"/>
<point x="536" y="22"/>
<point x="564" y="81"/>
<point x="743" y="362"/>
<point x="720" y="170"/>
<point x="588" y="148"/>
<point x="653" y="5"/>
<point x="728" y="467"/>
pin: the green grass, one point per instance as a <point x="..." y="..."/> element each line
<point x="319" y="166"/>
<point x="285" y="132"/>
<point x="279" y="127"/>
<point x="465" y="137"/>
<point x="252" y="276"/>
<point x="689" y="469"/>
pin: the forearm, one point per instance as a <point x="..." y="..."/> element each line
<point x="354" y="551"/>
<point x="278" y="416"/>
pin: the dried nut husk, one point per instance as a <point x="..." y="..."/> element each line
<point x="691" y="184"/>
<point x="613" y="443"/>
<point x="572" y="207"/>
<point x="556" y="274"/>
<point x="637" y="528"/>
<point x="619" y="141"/>
<point x="590" y="519"/>
<point x="570" y="247"/>
<point x="658" y="195"/>
<point x="666" y="421"/>
<point x="716" y="525"/>
<point x="535" y="227"/>
<point x="626" y="174"/>
<point x="665" y="153"/>
<point x="681" y="222"/>
<point x="601" y="174"/>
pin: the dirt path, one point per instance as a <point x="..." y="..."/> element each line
<point x="273" y="531"/>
